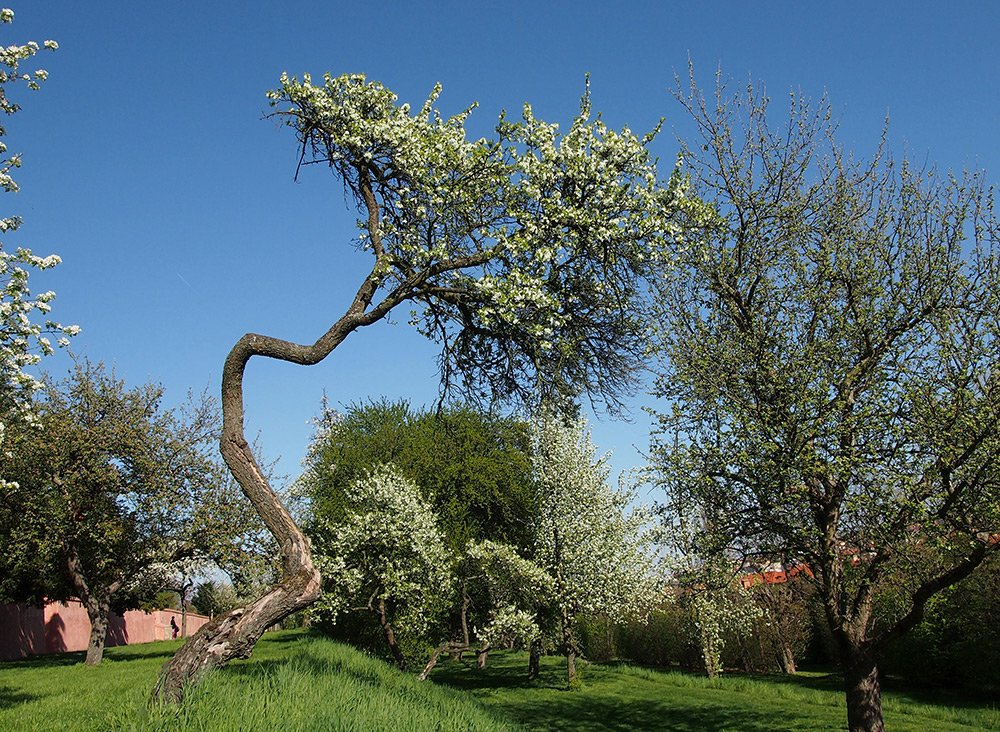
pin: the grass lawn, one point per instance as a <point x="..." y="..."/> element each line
<point x="300" y="682"/>
<point x="619" y="697"/>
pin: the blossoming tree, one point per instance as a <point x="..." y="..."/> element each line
<point x="831" y="376"/>
<point x="385" y="557"/>
<point x="23" y="339"/>
<point x="597" y="551"/>
<point x="522" y="256"/>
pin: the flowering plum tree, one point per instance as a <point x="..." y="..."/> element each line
<point x="831" y="370"/>
<point x="522" y="256"/>
<point x="598" y="553"/>
<point x="385" y="556"/>
<point x="23" y="339"/>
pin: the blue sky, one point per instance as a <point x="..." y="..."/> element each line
<point x="149" y="169"/>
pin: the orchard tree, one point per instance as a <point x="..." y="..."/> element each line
<point x="830" y="368"/>
<point x="525" y="257"/>
<point x="23" y="337"/>
<point x="105" y="493"/>
<point x="598" y="552"/>
<point x="386" y="557"/>
<point x="473" y="469"/>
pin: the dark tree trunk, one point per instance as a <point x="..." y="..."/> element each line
<point x="97" y="605"/>
<point x="457" y="655"/>
<point x="390" y="635"/>
<point x="97" y="612"/>
<point x="534" y="658"/>
<point x="482" y="656"/>
<point x="864" y="695"/>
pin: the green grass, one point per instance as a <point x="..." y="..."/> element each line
<point x="296" y="681"/>
<point x="620" y="697"/>
<point x="292" y="682"/>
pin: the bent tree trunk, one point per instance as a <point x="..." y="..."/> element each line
<point x="235" y="633"/>
<point x="390" y="634"/>
<point x="864" y="695"/>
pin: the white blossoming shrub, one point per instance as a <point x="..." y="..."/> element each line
<point x="509" y="627"/>
<point x="388" y="548"/>
<point x="517" y="589"/>
<point x="717" y="613"/>
<point x="24" y="325"/>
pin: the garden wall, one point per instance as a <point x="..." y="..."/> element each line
<point x="63" y="626"/>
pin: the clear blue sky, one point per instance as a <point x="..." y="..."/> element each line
<point x="149" y="169"/>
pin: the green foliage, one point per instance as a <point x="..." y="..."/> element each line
<point x="956" y="643"/>
<point x="212" y="598"/>
<point x="109" y="489"/>
<point x="473" y="468"/>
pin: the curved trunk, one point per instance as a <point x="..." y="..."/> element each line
<point x="390" y="635"/>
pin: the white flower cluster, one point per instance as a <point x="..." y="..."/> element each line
<point x="23" y="339"/>
<point x="387" y="547"/>
<point x="509" y="627"/>
<point x="509" y="230"/>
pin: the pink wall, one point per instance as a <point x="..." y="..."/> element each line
<point x="64" y="626"/>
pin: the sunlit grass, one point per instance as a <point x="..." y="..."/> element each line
<point x="291" y="683"/>
<point x="300" y="682"/>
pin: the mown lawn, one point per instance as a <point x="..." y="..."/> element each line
<point x="300" y="682"/>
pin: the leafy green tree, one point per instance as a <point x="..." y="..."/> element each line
<point x="473" y="468"/>
<point x="211" y="598"/>
<point x="830" y="370"/>
<point x="106" y="493"/>
<point x="23" y="339"/>
<point x="523" y="256"/>
<point x="597" y="551"/>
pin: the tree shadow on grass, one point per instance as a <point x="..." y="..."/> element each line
<point x="47" y="661"/>
<point x="10" y="696"/>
